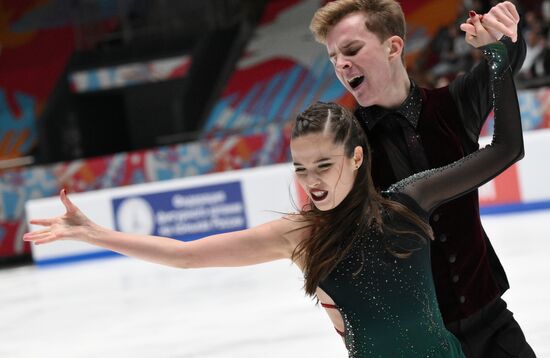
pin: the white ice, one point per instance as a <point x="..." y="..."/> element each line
<point x="126" y="308"/>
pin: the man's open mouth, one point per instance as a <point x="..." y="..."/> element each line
<point x="356" y="81"/>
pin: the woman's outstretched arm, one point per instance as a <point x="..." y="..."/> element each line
<point x="267" y="242"/>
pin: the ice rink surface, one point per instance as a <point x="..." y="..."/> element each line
<point x="126" y="308"/>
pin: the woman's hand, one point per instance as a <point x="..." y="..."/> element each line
<point x="502" y="19"/>
<point x="476" y="34"/>
<point x="73" y="225"/>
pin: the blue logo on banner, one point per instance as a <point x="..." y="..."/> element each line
<point x="186" y="214"/>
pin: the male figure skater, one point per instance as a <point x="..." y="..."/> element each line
<point x="412" y="129"/>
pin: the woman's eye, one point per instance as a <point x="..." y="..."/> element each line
<point x="299" y="171"/>
<point x="324" y="166"/>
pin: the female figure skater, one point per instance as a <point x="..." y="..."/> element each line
<point x="364" y="254"/>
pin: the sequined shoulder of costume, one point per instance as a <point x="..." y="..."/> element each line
<point x="409" y="181"/>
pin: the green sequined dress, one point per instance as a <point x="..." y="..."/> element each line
<point x="388" y="303"/>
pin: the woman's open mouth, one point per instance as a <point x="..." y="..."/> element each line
<point x="318" y="195"/>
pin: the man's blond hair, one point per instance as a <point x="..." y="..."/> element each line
<point x="385" y="18"/>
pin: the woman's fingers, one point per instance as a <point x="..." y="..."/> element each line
<point x="36" y="237"/>
<point x="57" y="228"/>
<point x="473" y="29"/>
<point x="44" y="240"/>
<point x="42" y="222"/>
<point x="38" y="232"/>
<point x="468" y="28"/>
<point x="71" y="208"/>
<point x="476" y="22"/>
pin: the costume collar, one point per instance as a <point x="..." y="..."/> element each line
<point x="410" y="109"/>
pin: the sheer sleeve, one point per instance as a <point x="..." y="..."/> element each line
<point x="433" y="187"/>
<point x="471" y="91"/>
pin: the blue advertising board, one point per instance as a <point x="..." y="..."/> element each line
<point x="184" y="214"/>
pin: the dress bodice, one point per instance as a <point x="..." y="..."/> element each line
<point x="388" y="303"/>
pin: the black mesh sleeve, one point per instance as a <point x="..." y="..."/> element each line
<point x="471" y="91"/>
<point x="433" y="187"/>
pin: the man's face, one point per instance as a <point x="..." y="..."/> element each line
<point x="361" y="62"/>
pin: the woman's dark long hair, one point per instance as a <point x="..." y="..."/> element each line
<point x="333" y="232"/>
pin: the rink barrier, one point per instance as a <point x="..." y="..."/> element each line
<point x="67" y="259"/>
<point x="514" y="208"/>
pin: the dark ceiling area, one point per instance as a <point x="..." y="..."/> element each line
<point x="213" y="33"/>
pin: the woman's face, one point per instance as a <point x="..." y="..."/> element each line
<point x="323" y="170"/>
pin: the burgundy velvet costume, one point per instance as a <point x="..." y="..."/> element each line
<point x="460" y="247"/>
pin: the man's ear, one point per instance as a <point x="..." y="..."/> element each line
<point x="395" y="47"/>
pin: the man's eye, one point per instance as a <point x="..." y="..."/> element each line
<point x="352" y="52"/>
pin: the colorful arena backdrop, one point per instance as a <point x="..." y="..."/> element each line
<point x="535" y="110"/>
<point x="281" y="72"/>
<point x="36" y="41"/>
<point x="283" y="69"/>
<point x="34" y="49"/>
<point x="129" y="74"/>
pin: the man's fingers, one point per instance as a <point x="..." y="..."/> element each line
<point x="512" y="10"/>
<point x="505" y="10"/>
<point x="492" y="23"/>
<point x="507" y="15"/>
<point x="501" y="15"/>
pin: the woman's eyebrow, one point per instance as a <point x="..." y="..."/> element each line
<point x="325" y="159"/>
<point x="322" y="160"/>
